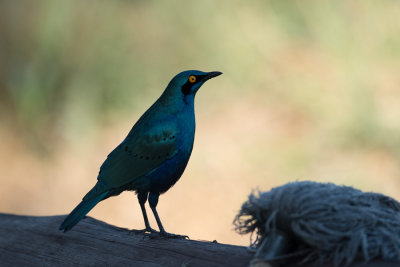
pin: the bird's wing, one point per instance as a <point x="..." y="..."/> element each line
<point x="138" y="156"/>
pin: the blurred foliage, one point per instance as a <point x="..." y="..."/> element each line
<point x="62" y="59"/>
<point x="76" y="64"/>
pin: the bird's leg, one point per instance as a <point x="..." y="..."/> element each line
<point x="142" y="197"/>
<point x="153" y="201"/>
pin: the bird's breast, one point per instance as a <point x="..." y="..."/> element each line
<point x="172" y="169"/>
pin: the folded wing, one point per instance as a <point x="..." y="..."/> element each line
<point x="138" y="156"/>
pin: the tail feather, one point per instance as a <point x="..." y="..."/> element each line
<point x="80" y="211"/>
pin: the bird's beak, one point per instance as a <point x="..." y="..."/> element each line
<point x="211" y="75"/>
<point x="203" y="78"/>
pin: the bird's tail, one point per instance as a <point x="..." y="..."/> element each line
<point x="80" y="211"/>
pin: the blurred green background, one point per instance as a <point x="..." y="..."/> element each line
<point x="310" y="90"/>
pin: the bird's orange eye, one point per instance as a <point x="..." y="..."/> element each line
<point x="192" y="79"/>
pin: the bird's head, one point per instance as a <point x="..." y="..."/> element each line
<point x="186" y="84"/>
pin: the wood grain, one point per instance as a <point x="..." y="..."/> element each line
<point x="36" y="241"/>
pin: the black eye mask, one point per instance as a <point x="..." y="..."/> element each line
<point x="188" y="85"/>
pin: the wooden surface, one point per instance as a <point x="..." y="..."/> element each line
<point x="36" y="241"/>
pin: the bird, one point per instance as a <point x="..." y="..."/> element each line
<point x="154" y="154"/>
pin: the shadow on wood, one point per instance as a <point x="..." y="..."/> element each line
<point x="31" y="240"/>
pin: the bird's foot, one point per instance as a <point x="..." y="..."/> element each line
<point x="143" y="231"/>
<point x="164" y="234"/>
<point x="174" y="236"/>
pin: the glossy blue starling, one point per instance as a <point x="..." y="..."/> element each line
<point x="152" y="158"/>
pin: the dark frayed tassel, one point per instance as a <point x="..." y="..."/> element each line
<point x="321" y="223"/>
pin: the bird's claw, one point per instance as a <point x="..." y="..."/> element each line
<point x="168" y="235"/>
<point x="151" y="233"/>
<point x="143" y="231"/>
<point x="174" y="236"/>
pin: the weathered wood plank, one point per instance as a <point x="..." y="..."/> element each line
<point x="32" y="241"/>
<point x="36" y="241"/>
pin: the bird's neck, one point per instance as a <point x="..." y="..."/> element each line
<point x="176" y="105"/>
